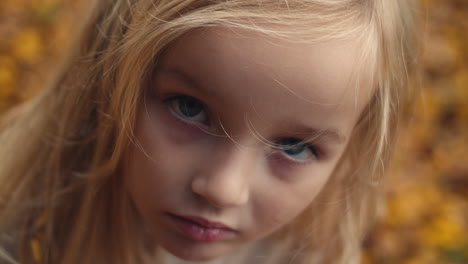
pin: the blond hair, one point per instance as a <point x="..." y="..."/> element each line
<point x="63" y="186"/>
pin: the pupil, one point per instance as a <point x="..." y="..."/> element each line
<point x="190" y="107"/>
<point x="292" y="146"/>
<point x="294" y="151"/>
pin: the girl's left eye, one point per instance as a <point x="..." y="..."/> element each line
<point x="297" y="149"/>
<point x="188" y="108"/>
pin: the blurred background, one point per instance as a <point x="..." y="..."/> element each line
<point x="426" y="217"/>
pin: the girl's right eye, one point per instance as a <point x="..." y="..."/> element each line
<point x="188" y="109"/>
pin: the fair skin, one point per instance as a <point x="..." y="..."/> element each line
<point x="204" y="180"/>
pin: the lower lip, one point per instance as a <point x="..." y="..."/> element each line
<point x="200" y="233"/>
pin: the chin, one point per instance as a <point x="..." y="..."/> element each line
<point x="198" y="253"/>
<point x="195" y="257"/>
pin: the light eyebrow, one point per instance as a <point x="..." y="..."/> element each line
<point x="312" y="133"/>
<point x="186" y="78"/>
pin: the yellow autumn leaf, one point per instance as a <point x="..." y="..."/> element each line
<point x="423" y="257"/>
<point x="7" y="77"/>
<point x="461" y="93"/>
<point x="27" y="46"/>
<point x="36" y="250"/>
<point x="447" y="229"/>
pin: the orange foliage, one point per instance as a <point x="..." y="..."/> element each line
<point x="426" y="218"/>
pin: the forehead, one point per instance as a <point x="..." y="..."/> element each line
<point x="272" y="74"/>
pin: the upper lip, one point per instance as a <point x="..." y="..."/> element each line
<point x="203" y="222"/>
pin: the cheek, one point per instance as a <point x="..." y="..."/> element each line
<point x="149" y="171"/>
<point x="281" y="205"/>
<point x="160" y="163"/>
<point x="160" y="141"/>
<point x="140" y="181"/>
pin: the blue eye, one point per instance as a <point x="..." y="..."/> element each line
<point x="188" y="108"/>
<point x="297" y="149"/>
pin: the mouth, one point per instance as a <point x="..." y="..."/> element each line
<point x="200" y="229"/>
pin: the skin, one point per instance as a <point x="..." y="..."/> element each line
<point x="214" y="165"/>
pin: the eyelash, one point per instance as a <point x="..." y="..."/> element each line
<point x="291" y="143"/>
<point x="287" y="143"/>
<point x="175" y="98"/>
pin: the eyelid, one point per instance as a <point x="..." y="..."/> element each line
<point x="170" y="98"/>
<point x="315" y="155"/>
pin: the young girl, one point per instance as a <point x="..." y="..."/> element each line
<point x="234" y="131"/>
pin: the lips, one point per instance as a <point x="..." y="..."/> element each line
<point x="200" y="229"/>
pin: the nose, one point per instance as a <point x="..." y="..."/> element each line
<point x="224" y="182"/>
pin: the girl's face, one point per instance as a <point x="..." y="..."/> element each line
<point x="222" y="158"/>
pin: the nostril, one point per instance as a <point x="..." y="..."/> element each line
<point x="220" y="194"/>
<point x="208" y="193"/>
<point x="197" y="186"/>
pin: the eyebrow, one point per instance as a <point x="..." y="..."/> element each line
<point x="181" y="75"/>
<point x="312" y="133"/>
